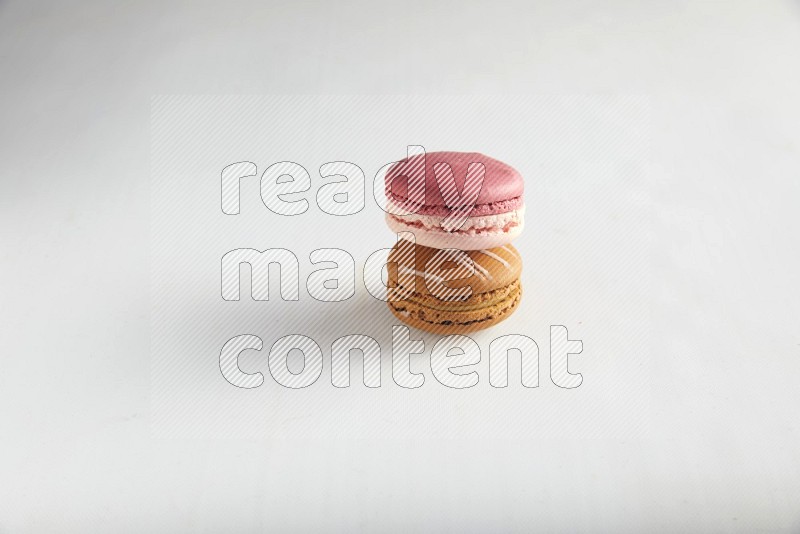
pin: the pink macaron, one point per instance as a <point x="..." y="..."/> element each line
<point x="462" y="200"/>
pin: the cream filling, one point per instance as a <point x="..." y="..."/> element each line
<point x="473" y="225"/>
<point x="495" y="297"/>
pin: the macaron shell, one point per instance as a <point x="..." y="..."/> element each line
<point x="500" y="206"/>
<point x="501" y="182"/>
<point x="495" y="268"/>
<point x="475" y="302"/>
<point x="449" y="322"/>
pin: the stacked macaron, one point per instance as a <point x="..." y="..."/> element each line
<point x="462" y="210"/>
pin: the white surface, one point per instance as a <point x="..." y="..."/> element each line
<point x="76" y="450"/>
<point x="585" y="265"/>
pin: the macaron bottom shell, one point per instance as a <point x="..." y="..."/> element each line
<point x="449" y="318"/>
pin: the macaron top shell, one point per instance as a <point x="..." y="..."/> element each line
<point x="502" y="184"/>
<point x="493" y="268"/>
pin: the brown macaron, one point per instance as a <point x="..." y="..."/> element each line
<point x="449" y="291"/>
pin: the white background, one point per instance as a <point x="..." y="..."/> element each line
<point x="586" y="265"/>
<point x="720" y="453"/>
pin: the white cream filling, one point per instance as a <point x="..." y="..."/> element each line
<point x="471" y="225"/>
